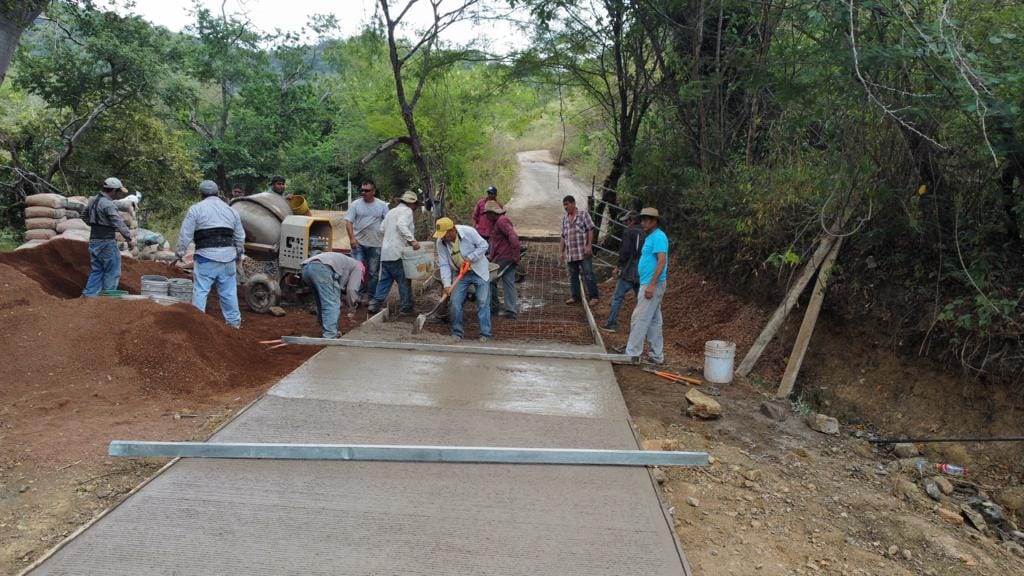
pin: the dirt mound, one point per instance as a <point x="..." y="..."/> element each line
<point x="61" y="267"/>
<point x="695" y="311"/>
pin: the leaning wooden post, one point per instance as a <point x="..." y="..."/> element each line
<point x="783" y="310"/>
<point x="796" y="358"/>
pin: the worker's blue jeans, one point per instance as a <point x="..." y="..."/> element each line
<point x="325" y="286"/>
<point x="508" y="285"/>
<point x="622" y="287"/>
<point x="589" y="280"/>
<point x="104" y="267"/>
<point x="483" y="299"/>
<point x="370" y="257"/>
<point x="205" y="275"/>
<point x="393" y="271"/>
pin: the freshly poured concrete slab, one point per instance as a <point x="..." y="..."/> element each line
<point x="340" y="518"/>
<point x="276" y="419"/>
<point x="552" y="387"/>
<point x="249" y="517"/>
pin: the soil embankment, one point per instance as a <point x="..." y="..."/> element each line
<point x="78" y="373"/>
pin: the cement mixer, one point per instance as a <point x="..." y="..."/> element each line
<point x="273" y="233"/>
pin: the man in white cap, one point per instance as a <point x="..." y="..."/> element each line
<point x="456" y="245"/>
<point x="217" y="231"/>
<point x="399" y="230"/>
<point x="104" y="220"/>
<point x="645" y="324"/>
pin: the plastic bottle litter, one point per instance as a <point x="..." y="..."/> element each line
<point x="951" y="469"/>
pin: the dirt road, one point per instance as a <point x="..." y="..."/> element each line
<point x="536" y="207"/>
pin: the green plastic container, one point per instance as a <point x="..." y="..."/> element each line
<point x="113" y="293"/>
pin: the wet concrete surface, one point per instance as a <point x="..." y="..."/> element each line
<point x="293" y="517"/>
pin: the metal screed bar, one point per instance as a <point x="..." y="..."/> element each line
<point x="385" y="453"/>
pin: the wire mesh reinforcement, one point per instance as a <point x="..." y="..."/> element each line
<point x="542" y="293"/>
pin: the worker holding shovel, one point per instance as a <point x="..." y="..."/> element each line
<point x="456" y="245"/>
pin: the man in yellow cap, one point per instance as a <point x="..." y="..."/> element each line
<point x="457" y="244"/>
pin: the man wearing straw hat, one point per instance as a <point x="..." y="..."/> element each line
<point x="645" y="324"/>
<point x="504" y="251"/>
<point x="399" y="231"/>
<point x="217" y="231"/>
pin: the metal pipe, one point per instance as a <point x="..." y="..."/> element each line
<point x="389" y="453"/>
<point x="938" y="440"/>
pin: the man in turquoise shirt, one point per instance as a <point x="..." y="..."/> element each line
<point x="645" y="324"/>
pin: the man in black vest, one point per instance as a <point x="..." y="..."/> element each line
<point x="217" y="231"/>
<point x="104" y="258"/>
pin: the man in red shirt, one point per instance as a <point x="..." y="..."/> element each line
<point x="480" y="220"/>
<point x="504" y="251"/>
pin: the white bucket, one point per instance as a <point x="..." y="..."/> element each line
<point x="719" y="356"/>
<point x="415" y="263"/>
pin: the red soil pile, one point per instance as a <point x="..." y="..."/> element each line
<point x="696" y="310"/>
<point x="61" y="267"/>
<point x="140" y="343"/>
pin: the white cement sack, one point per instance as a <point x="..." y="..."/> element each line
<point x="48" y="200"/>
<point x="44" y="212"/>
<point x="71" y="225"/>
<point x="40" y="234"/>
<point x="30" y="244"/>
<point x="43" y="223"/>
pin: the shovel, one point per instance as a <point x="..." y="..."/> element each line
<point x="417" y="326"/>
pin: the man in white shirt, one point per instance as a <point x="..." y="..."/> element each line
<point x="399" y="232"/>
<point x="455" y="246"/>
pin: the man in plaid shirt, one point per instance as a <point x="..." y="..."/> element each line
<point x="576" y="248"/>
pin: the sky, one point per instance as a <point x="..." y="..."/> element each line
<point x="352" y="15"/>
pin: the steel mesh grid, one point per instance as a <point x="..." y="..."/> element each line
<point x="543" y="312"/>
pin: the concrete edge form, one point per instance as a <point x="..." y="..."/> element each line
<point x="666" y="513"/>
<point x="390" y="453"/>
<point x="493" y="351"/>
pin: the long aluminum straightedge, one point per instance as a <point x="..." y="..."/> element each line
<point x="424" y="347"/>
<point x="387" y="453"/>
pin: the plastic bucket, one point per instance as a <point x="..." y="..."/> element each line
<point x="179" y="289"/>
<point x="154" y="285"/>
<point x="299" y="205"/>
<point x="415" y="263"/>
<point x="719" y="357"/>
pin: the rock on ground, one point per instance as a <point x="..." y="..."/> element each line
<point x="702" y="405"/>
<point x="824" y="424"/>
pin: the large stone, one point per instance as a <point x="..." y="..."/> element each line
<point x="944" y="485"/>
<point x="950" y="516"/>
<point x="277" y="311"/>
<point x="824" y="424"/>
<point x="932" y="489"/>
<point x="774" y="411"/>
<point x="974" y="518"/>
<point x="702" y="405"/>
<point x="906" y="450"/>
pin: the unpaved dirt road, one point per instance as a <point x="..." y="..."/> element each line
<point x="536" y="207"/>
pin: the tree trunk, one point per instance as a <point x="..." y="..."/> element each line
<point x="11" y="27"/>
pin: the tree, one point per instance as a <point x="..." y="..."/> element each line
<point x="83" y="63"/>
<point x="423" y="51"/>
<point x="15" y="17"/>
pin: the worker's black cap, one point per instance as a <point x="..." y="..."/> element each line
<point x="277" y="178"/>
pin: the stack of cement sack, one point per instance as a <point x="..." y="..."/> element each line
<point x="45" y="213"/>
<point x="50" y="216"/>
